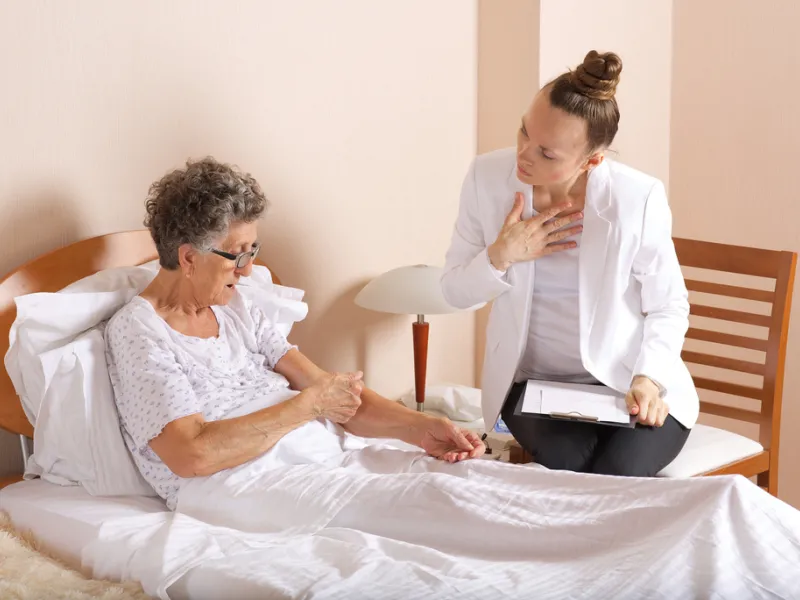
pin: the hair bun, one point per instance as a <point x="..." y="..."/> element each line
<point x="598" y="76"/>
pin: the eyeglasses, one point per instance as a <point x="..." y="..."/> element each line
<point x="242" y="259"/>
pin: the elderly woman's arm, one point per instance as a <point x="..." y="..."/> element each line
<point x="192" y="447"/>
<point x="378" y="417"/>
<point x="158" y="406"/>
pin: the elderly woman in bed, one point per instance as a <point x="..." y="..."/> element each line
<point x="190" y="350"/>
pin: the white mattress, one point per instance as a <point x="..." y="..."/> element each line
<point x="66" y="519"/>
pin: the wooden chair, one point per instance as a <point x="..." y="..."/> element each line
<point x="773" y="321"/>
<point x="717" y="451"/>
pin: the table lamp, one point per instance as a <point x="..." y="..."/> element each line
<point x="410" y="290"/>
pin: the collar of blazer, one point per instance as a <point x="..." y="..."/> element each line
<point x="598" y="190"/>
<point x="593" y="250"/>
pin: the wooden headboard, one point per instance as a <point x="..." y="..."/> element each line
<point x="54" y="271"/>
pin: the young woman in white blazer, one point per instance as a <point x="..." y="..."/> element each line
<point x="575" y="253"/>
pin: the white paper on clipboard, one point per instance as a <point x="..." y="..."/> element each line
<point x="590" y="402"/>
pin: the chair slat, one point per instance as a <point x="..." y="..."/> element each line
<point x="726" y="258"/>
<point x="731" y="412"/>
<point x="723" y="362"/>
<point x="730" y="291"/>
<point x="726" y="339"/>
<point x="725" y="387"/>
<point x="735" y="316"/>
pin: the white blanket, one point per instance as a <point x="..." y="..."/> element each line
<point x="325" y="515"/>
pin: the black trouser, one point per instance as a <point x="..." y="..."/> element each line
<point x="591" y="448"/>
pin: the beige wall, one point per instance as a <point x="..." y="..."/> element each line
<point x="641" y="33"/>
<point x="735" y="130"/>
<point x="508" y="78"/>
<point x="357" y="117"/>
<point x="523" y="44"/>
<point x="508" y="68"/>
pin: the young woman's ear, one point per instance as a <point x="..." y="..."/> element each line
<point x="595" y="160"/>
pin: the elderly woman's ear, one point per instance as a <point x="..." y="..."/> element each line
<point x="187" y="258"/>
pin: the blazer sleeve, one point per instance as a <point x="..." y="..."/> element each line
<point x="665" y="300"/>
<point x="468" y="277"/>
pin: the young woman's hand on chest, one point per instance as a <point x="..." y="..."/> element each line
<point x="523" y="240"/>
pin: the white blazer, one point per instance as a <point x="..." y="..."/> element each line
<point x="634" y="309"/>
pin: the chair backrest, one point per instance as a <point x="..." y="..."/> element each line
<point x="767" y="327"/>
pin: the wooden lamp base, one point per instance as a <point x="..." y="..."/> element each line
<point x="420" y="330"/>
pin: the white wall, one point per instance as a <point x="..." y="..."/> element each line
<point x="357" y="117"/>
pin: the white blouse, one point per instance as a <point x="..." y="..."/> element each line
<point x="160" y="375"/>
<point x="552" y="351"/>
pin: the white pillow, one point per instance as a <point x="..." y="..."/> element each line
<point x="56" y="361"/>
<point x="456" y="402"/>
<point x="77" y="439"/>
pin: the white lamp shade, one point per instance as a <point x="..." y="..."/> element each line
<point x="411" y="290"/>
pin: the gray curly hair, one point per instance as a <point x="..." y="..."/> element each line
<point x="198" y="204"/>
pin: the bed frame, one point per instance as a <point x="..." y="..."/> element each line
<point x="49" y="273"/>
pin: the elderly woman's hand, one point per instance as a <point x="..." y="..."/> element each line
<point x="644" y="400"/>
<point x="337" y="396"/>
<point x="442" y="439"/>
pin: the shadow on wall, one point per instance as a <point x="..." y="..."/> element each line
<point x="334" y="334"/>
<point x="33" y="224"/>
<point x="336" y="338"/>
<point x="36" y="223"/>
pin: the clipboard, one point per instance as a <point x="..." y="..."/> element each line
<point x="574" y="402"/>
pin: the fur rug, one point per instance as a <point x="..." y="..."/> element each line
<point x="28" y="573"/>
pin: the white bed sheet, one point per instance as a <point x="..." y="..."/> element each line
<point x="67" y="518"/>
<point x="389" y="524"/>
<point x="235" y="564"/>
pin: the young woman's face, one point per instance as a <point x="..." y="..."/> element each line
<point x="552" y="145"/>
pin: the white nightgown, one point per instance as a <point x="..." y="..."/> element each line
<point x="160" y="375"/>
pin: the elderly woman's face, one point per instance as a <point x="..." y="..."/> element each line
<point x="214" y="276"/>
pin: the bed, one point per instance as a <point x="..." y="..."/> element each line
<point x="66" y="520"/>
<point x="411" y="527"/>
